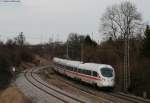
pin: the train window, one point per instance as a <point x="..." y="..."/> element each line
<point x="71" y="68"/>
<point x="75" y="69"/>
<point x="79" y="70"/>
<point x="68" y="68"/>
<point x="57" y="65"/>
<point x="61" y="65"/>
<point x="64" y="66"/>
<point x="88" y="72"/>
<point x="94" y="74"/>
<point x="84" y="71"/>
<point x="107" y="72"/>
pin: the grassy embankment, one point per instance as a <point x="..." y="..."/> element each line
<point x="12" y="95"/>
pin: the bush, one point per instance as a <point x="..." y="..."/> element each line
<point x="26" y="55"/>
<point x="5" y="74"/>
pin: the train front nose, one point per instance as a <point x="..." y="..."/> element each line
<point x="108" y="82"/>
<point x="107" y="77"/>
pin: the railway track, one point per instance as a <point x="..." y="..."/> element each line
<point x="117" y="95"/>
<point x="130" y="98"/>
<point x="51" y="94"/>
<point x="101" y="99"/>
<point x="80" y="101"/>
<point x="88" y="90"/>
<point x="25" y="74"/>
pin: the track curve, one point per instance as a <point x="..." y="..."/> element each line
<point x="25" y="74"/>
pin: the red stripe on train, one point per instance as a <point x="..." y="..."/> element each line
<point x="90" y="77"/>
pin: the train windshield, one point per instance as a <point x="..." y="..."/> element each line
<point x="107" y="72"/>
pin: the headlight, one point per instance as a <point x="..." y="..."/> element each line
<point x="103" y="79"/>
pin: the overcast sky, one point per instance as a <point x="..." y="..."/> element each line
<point x="43" y="19"/>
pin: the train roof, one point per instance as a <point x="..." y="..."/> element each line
<point x="94" y="66"/>
<point x="67" y="62"/>
<point x="73" y="63"/>
<point x="79" y="64"/>
<point x="60" y="61"/>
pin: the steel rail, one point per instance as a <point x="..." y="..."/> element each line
<point x="87" y="92"/>
<point x="25" y="74"/>
<point x="64" y="94"/>
<point x="130" y="98"/>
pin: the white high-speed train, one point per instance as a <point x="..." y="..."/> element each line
<point x="101" y="75"/>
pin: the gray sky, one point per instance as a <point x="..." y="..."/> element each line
<point x="43" y="19"/>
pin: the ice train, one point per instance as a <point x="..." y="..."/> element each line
<point x="100" y="75"/>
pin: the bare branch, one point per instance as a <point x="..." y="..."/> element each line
<point x="121" y="20"/>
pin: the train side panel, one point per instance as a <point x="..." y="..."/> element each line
<point x="99" y="79"/>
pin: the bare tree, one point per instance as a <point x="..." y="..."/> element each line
<point x="73" y="44"/>
<point x="20" y="40"/>
<point x="121" y="20"/>
<point x="75" y="38"/>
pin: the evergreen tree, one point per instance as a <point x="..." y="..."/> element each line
<point x="89" y="42"/>
<point x="146" y="46"/>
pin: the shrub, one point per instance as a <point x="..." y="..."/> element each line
<point x="5" y="73"/>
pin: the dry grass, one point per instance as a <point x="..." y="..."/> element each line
<point x="12" y="95"/>
<point x="1" y="91"/>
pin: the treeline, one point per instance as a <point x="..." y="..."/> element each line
<point x="16" y="51"/>
<point x="82" y="47"/>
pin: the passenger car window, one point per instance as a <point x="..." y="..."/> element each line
<point x="88" y="72"/>
<point x="75" y="69"/>
<point x="94" y="74"/>
<point x="107" y="72"/>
